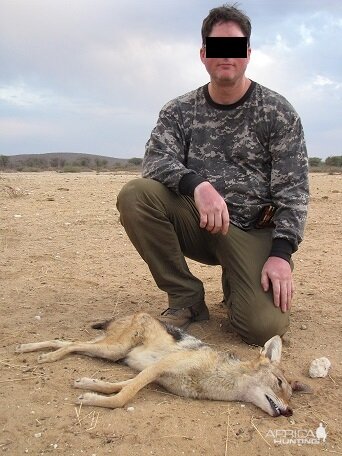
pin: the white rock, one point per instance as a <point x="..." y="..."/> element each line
<point x="38" y="317"/>
<point x="319" y="367"/>
<point x="39" y="434"/>
<point x="130" y="409"/>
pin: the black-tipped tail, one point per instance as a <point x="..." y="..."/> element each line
<point x="101" y="324"/>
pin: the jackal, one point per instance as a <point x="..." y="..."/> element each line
<point x="179" y="362"/>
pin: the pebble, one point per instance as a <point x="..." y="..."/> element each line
<point x="38" y="317"/>
<point x="319" y="367"/>
<point x="39" y="434"/>
<point x="130" y="409"/>
<point x="303" y="327"/>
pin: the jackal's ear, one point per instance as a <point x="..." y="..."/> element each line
<point x="272" y="349"/>
<point x="299" y="386"/>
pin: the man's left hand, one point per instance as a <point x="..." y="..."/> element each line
<point x="278" y="272"/>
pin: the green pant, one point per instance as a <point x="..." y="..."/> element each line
<point x="164" y="228"/>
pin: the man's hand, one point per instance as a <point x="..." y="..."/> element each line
<point x="278" y="271"/>
<point x="212" y="209"/>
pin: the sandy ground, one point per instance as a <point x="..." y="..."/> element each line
<point x="66" y="262"/>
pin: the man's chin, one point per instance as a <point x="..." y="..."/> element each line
<point x="224" y="80"/>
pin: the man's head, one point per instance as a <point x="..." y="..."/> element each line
<point x="225" y="22"/>
<point x="226" y="13"/>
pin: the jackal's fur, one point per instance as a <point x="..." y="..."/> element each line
<point x="179" y="362"/>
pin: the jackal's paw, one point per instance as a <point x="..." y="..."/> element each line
<point x="24" y="348"/>
<point x="84" y="382"/>
<point x="87" y="399"/>
<point x="20" y="348"/>
<point x="44" y="358"/>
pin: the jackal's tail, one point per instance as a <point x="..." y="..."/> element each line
<point x="102" y="324"/>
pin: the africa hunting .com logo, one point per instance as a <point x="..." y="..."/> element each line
<point x="298" y="436"/>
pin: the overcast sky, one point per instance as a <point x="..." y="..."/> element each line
<point x="91" y="76"/>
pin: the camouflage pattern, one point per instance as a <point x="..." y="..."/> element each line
<point x="252" y="152"/>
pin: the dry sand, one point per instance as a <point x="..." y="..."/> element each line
<point x="65" y="262"/>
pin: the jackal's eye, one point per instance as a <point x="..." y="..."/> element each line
<point x="280" y="382"/>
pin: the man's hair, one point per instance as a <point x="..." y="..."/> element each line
<point x="226" y="13"/>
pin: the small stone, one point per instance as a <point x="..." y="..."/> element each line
<point x="17" y="215"/>
<point x="130" y="409"/>
<point x="39" y="434"/>
<point x="303" y="327"/>
<point x="319" y="367"/>
<point x="38" y="317"/>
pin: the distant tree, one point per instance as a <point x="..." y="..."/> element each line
<point x="84" y="161"/>
<point x="4" y="160"/>
<point x="100" y="163"/>
<point x="335" y="160"/>
<point x="135" y="161"/>
<point x="34" y="162"/>
<point x="54" y="162"/>
<point x="315" y="161"/>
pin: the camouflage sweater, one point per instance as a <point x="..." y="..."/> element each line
<point x="253" y="152"/>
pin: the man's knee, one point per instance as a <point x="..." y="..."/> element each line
<point x="259" y="326"/>
<point x="130" y="193"/>
<point x="141" y="192"/>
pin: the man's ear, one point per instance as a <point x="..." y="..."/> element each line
<point x="202" y="54"/>
<point x="272" y="349"/>
<point x="249" y="51"/>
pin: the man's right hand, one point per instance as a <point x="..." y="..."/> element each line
<point x="212" y="208"/>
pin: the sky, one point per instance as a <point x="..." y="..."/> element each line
<point x="91" y="76"/>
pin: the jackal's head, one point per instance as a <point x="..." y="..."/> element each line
<point x="267" y="386"/>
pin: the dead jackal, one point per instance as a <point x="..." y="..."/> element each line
<point x="179" y="362"/>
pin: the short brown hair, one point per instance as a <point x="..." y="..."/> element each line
<point x="226" y="13"/>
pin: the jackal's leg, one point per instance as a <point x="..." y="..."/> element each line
<point x="99" y="386"/>
<point x="98" y="349"/>
<point x="35" y="346"/>
<point x="148" y="375"/>
<point x="112" y="346"/>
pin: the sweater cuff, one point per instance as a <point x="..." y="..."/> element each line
<point x="281" y="248"/>
<point x="189" y="182"/>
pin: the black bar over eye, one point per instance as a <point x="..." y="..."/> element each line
<point x="226" y="47"/>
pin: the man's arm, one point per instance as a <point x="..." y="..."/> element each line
<point x="166" y="149"/>
<point x="165" y="162"/>
<point x="290" y="194"/>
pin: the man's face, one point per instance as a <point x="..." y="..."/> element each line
<point x="225" y="71"/>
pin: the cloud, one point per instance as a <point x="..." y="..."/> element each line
<point x="99" y="72"/>
<point x="22" y="129"/>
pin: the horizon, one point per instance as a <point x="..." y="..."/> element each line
<point x="117" y="158"/>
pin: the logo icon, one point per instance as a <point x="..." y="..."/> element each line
<point x="321" y="433"/>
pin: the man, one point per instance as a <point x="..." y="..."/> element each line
<point x="225" y="182"/>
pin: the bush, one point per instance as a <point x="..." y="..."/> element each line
<point x="315" y="161"/>
<point x="334" y="161"/>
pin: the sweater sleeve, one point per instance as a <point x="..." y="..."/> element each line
<point x="289" y="177"/>
<point x="166" y="150"/>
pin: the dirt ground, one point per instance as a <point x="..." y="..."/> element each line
<point x="65" y="262"/>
